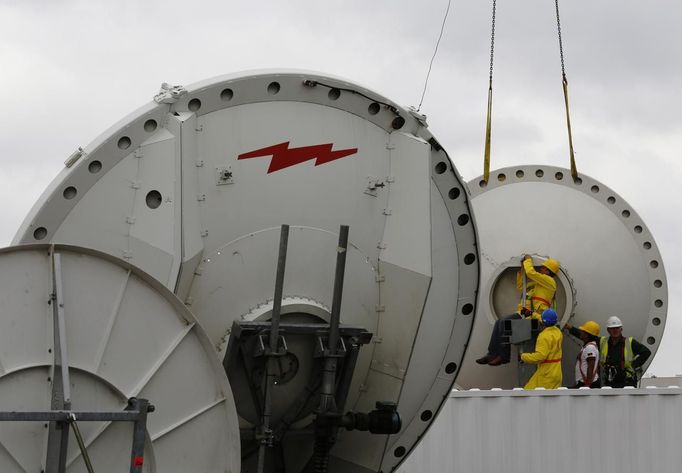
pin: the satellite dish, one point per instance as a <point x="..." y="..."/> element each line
<point x="122" y="335"/>
<point x="610" y="262"/>
<point x="193" y="189"/>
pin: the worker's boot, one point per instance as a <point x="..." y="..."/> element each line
<point x="485" y="360"/>
<point x="497" y="361"/>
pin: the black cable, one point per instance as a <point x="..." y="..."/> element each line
<point x="435" y="51"/>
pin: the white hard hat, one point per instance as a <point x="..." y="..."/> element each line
<point x="613" y="322"/>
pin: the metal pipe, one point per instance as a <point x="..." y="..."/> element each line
<point x="58" y="434"/>
<point x="139" y="434"/>
<point x="327" y="391"/>
<point x="81" y="444"/>
<point x="279" y="286"/>
<point x="341" y="252"/>
<point x="266" y="433"/>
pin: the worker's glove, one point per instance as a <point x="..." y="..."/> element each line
<point x="638" y="373"/>
<point x="525" y="312"/>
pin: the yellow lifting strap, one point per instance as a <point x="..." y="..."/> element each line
<point x="574" y="169"/>
<point x="486" y="156"/>
<point x="488" y="122"/>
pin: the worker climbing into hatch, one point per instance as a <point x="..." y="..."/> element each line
<point x="621" y="358"/>
<point x="539" y="290"/>
<point x="547" y="354"/>
<point x="587" y="363"/>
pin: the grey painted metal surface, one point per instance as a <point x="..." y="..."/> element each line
<point x="610" y="262"/>
<point x="126" y="336"/>
<point x="560" y="431"/>
<point x="193" y="188"/>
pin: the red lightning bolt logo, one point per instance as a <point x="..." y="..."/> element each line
<point x="283" y="157"/>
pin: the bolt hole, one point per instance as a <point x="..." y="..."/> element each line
<point x="658" y="303"/>
<point x="399" y="452"/>
<point x="501" y="177"/>
<point x="226" y="95"/>
<point x="70" y="192"/>
<point x="40" y="233"/>
<point x="94" y="167"/>
<point x="578" y="181"/>
<point x="453" y="193"/>
<point x="153" y="199"/>
<point x="646" y="245"/>
<point x="594" y="189"/>
<point x="463" y="219"/>
<point x="539" y="173"/>
<point x="611" y="200"/>
<point x="658" y="283"/>
<point x="273" y="88"/>
<point x="450" y="368"/>
<point x="373" y="108"/>
<point x="194" y="105"/>
<point x="469" y="258"/>
<point x="124" y="142"/>
<point x="150" y="125"/>
<point x="398" y="123"/>
<point x="625" y="213"/>
<point x="441" y="167"/>
<point x="482" y="184"/>
<point x="638" y="229"/>
<point x="651" y="340"/>
<point x="559" y="176"/>
<point x="426" y="415"/>
<point x="656" y="321"/>
<point x="653" y="264"/>
<point x="334" y="94"/>
<point x="467" y="309"/>
<point x="520" y="174"/>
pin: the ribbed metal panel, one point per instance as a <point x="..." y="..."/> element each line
<point x="605" y="430"/>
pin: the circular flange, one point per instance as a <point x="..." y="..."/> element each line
<point x="124" y="335"/>
<point x="193" y="188"/>
<point x="610" y="262"/>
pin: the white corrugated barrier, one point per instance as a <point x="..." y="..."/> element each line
<point x="605" y="430"/>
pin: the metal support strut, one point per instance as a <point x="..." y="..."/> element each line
<point x="271" y="363"/>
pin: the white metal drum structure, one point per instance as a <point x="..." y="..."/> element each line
<point x="122" y="335"/>
<point x="610" y="262"/>
<point x="194" y="186"/>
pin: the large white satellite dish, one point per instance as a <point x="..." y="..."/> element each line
<point x="610" y="262"/>
<point x="122" y="335"/>
<point x="193" y="188"/>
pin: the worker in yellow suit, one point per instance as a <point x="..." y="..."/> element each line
<point x="547" y="354"/>
<point x="540" y="289"/>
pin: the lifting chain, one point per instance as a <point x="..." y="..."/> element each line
<point x="564" y="80"/>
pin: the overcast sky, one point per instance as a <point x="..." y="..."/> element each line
<point x="70" y="69"/>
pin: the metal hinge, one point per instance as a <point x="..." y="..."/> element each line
<point x="169" y="93"/>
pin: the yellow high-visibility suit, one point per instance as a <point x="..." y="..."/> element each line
<point x="547" y="356"/>
<point x="540" y="289"/>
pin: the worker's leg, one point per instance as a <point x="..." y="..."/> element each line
<point x="496" y="347"/>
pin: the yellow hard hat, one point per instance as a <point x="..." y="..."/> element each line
<point x="552" y="264"/>
<point x="591" y="327"/>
